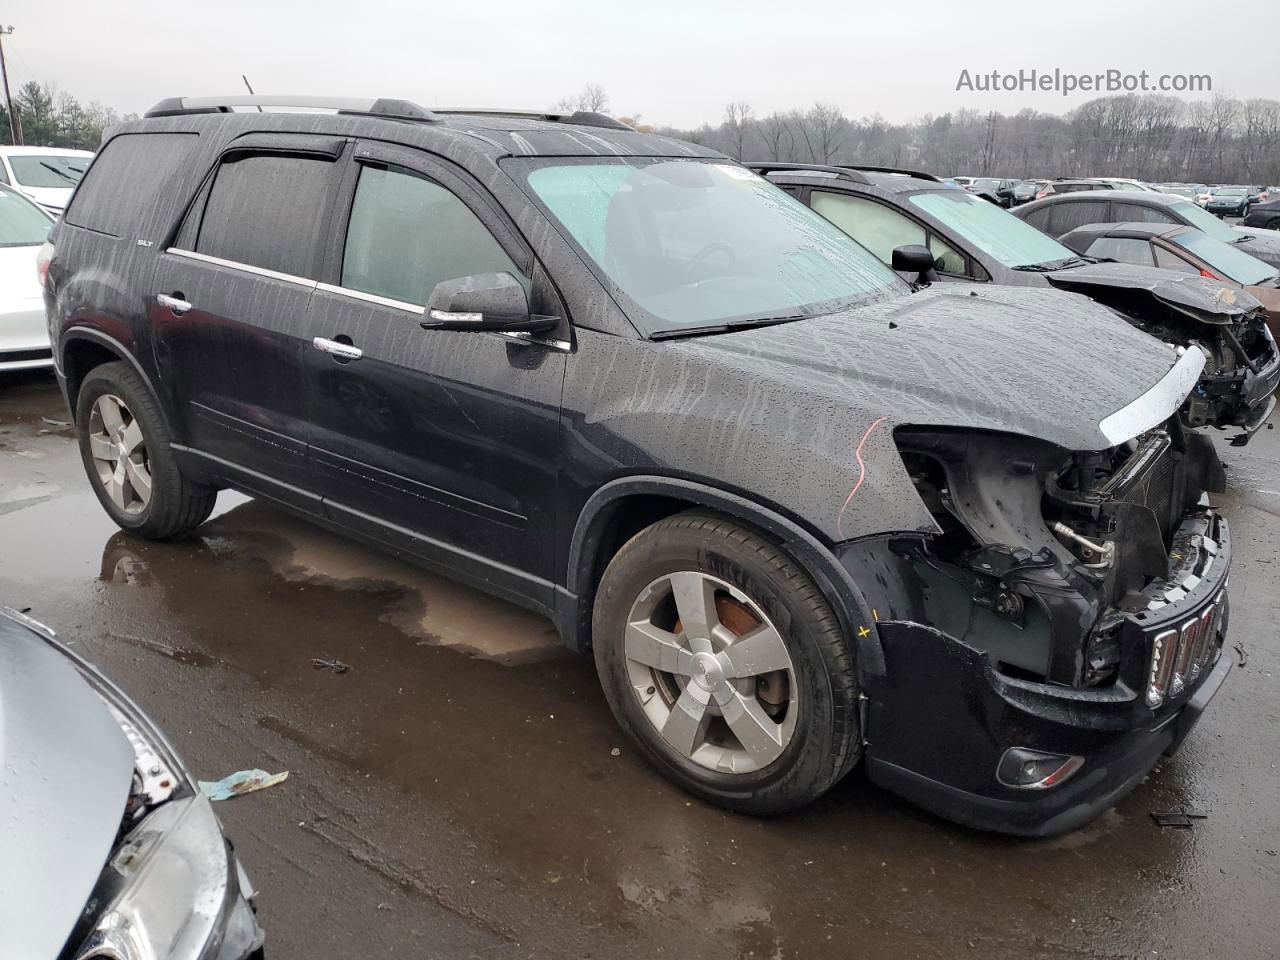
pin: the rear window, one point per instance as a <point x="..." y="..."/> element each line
<point x="266" y="210"/>
<point x="130" y="183"/>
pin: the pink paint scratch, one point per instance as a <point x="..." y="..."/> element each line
<point x="862" y="475"/>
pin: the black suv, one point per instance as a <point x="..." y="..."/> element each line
<point x="970" y="240"/>
<point x="801" y="514"/>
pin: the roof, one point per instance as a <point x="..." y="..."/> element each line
<point x="1131" y="228"/>
<point x="1140" y="197"/>
<point x="489" y="133"/>
<point x="45" y="151"/>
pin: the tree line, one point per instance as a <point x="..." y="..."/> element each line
<point x="1149" y="136"/>
<point x="51" y="118"/>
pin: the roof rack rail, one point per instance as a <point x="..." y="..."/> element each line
<point x="583" y="118"/>
<point x="380" y="107"/>
<point x="844" y="173"/>
<point x="918" y="174"/>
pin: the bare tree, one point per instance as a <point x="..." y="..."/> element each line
<point x="738" y="120"/>
<point x="775" y="133"/>
<point x="591" y="98"/>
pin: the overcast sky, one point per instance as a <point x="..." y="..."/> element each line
<point x="674" y="63"/>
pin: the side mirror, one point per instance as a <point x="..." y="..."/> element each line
<point x="914" y="258"/>
<point x="494" y="302"/>
<point x="1004" y="192"/>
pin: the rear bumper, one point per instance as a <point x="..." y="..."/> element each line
<point x="941" y="718"/>
<point x="24" y="338"/>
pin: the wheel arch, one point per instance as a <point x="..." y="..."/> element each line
<point x="81" y="349"/>
<point x="621" y="508"/>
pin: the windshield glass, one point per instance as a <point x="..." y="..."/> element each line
<point x="39" y="170"/>
<point x="1232" y="262"/>
<point x="1013" y="242"/>
<point x="694" y="244"/>
<point x="1201" y="219"/>
<point x="21" y="222"/>
<point x="1229" y="192"/>
<point x="986" y="183"/>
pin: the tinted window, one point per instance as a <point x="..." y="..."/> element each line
<point x="1124" y="249"/>
<point x="4" y="177"/>
<point x="875" y="226"/>
<point x="945" y="259"/>
<point x="1039" y="218"/>
<point x="131" y="183"/>
<point x="1067" y="216"/>
<point x="267" y="210"/>
<point x="1171" y="261"/>
<point x="1140" y="213"/>
<point x="407" y="234"/>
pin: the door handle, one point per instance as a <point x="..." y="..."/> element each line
<point x="176" y="304"/>
<point x="336" y="349"/>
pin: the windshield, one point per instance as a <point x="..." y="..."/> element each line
<point x="694" y="244"/>
<point x="986" y="183"/>
<point x="1014" y="242"/>
<point x="1229" y="192"/>
<point x="22" y="224"/>
<point x="1201" y="219"/>
<point x="1232" y="262"/>
<point x="40" y="170"/>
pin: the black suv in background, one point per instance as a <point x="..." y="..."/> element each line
<point x="801" y="514"/>
<point x="970" y="240"/>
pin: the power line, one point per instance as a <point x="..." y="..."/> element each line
<point x="15" y="123"/>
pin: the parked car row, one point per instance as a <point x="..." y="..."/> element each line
<point x="823" y="465"/>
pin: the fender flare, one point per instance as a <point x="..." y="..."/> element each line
<point x="839" y="588"/>
<point x="93" y="335"/>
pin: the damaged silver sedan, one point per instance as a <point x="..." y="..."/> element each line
<point x="118" y="855"/>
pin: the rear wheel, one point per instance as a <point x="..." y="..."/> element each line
<point x="125" y="448"/>
<point x="723" y="661"/>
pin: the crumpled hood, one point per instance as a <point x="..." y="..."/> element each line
<point x="65" y="772"/>
<point x="1210" y="301"/>
<point x="1024" y="360"/>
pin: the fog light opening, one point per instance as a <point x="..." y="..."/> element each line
<point x="1026" y="769"/>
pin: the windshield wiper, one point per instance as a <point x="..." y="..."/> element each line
<point x="63" y="175"/>
<point x="1244" y="238"/>
<point x="730" y="327"/>
<point x="1050" y="265"/>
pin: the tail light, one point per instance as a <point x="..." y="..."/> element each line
<point x="1209" y="274"/>
<point x="43" y="259"/>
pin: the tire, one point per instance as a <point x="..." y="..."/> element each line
<point x="117" y="417"/>
<point x="759" y="592"/>
<point x="1274" y="224"/>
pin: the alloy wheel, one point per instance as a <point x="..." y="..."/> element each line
<point x="711" y="672"/>
<point x="120" y="454"/>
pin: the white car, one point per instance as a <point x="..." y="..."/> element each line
<point x="24" y="334"/>
<point x="1124" y="183"/>
<point x="45" y="174"/>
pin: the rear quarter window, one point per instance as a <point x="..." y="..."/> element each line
<point x="129" y="190"/>
<point x="1070" y="214"/>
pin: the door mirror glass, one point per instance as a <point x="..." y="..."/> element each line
<point x="483" y="301"/>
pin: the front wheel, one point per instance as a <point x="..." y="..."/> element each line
<point x="723" y="661"/>
<point x="125" y="448"/>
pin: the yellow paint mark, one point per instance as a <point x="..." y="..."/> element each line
<point x="875" y="614"/>
<point x="863" y="631"/>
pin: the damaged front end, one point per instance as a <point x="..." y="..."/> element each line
<point x="1055" y="634"/>
<point x="1228" y="325"/>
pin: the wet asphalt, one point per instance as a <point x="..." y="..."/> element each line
<point x="461" y="790"/>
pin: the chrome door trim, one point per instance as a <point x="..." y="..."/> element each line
<point x="243" y="267"/>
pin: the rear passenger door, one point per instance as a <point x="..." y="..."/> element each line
<point x="228" y="308"/>
<point x="441" y="443"/>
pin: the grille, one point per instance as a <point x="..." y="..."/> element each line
<point x="1181" y="653"/>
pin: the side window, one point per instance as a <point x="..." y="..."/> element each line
<point x="1171" y="261"/>
<point x="4" y="174"/>
<point x="407" y="234"/>
<point x="127" y="189"/>
<point x="1139" y="213"/>
<point x="1124" y="249"/>
<point x="875" y="226"/>
<point x="948" y="260"/>
<point x="1070" y="214"/>
<point x="1040" y="218"/>
<point x="267" y="210"/>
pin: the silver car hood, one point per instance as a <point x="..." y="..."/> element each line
<point x="65" y="773"/>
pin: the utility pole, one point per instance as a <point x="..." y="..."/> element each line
<point x="15" y="125"/>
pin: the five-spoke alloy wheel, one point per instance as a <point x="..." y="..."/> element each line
<point x="724" y="662"/>
<point x="124" y="443"/>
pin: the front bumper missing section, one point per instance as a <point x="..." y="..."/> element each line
<point x="941" y="717"/>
